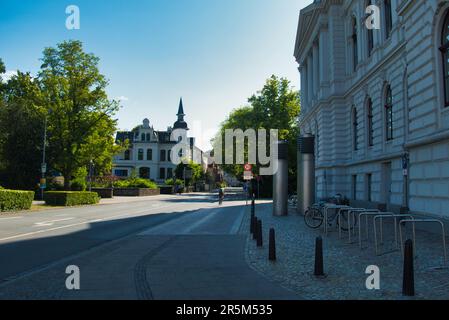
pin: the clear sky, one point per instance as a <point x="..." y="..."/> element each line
<point x="213" y="53"/>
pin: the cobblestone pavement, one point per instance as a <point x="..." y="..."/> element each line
<point x="345" y="264"/>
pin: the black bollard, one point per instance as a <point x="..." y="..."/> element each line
<point x="253" y="207"/>
<point x="256" y="229"/>
<point x="272" y="246"/>
<point x="319" y="265"/>
<point x="251" y="227"/>
<point x="408" y="284"/>
<point x="259" y="234"/>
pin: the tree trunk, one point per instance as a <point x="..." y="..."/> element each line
<point x="67" y="178"/>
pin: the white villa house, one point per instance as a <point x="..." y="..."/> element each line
<point x="150" y="151"/>
<point x="377" y="101"/>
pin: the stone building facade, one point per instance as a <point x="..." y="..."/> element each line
<point x="376" y="101"/>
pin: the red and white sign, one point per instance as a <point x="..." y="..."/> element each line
<point x="248" y="167"/>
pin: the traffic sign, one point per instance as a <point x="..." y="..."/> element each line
<point x="248" y="167"/>
<point x="248" y="175"/>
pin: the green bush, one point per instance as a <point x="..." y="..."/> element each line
<point x="70" y="198"/>
<point x="135" y="183"/>
<point x="171" y="182"/>
<point x="12" y="200"/>
<point x="78" y="185"/>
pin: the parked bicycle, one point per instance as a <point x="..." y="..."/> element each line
<point x="314" y="217"/>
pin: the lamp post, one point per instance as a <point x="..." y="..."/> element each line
<point x="44" y="165"/>
<point x="91" y="164"/>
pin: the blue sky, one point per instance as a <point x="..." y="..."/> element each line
<point x="213" y="53"/>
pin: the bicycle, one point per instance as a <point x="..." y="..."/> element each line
<point x="314" y="218"/>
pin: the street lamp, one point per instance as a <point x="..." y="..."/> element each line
<point x="44" y="165"/>
<point x="91" y="165"/>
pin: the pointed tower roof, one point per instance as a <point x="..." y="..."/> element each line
<point x="180" y="124"/>
<point x="181" y="108"/>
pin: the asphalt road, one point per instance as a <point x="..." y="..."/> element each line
<point x="165" y="247"/>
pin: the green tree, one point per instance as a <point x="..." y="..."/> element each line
<point x="80" y="114"/>
<point x="276" y="106"/>
<point x="194" y="168"/>
<point x="21" y="132"/>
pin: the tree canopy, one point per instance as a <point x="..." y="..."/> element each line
<point x="276" y="106"/>
<point x="70" y="93"/>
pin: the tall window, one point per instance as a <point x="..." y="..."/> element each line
<point x="354" y="187"/>
<point x="142" y="138"/>
<point x="388" y="18"/>
<point x="163" y="155"/>
<point x="369" y="186"/>
<point x="140" y="155"/>
<point x="169" y="173"/>
<point x="369" y="120"/>
<point x="127" y="155"/>
<point x="355" y="138"/>
<point x="355" y="53"/>
<point x="370" y="34"/>
<point x="150" y="154"/>
<point x="389" y="124"/>
<point x="148" y="137"/>
<point x="169" y="156"/>
<point x="445" y="53"/>
<point x="162" y="173"/>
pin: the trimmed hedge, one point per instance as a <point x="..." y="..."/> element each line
<point x="13" y="200"/>
<point x="70" y="198"/>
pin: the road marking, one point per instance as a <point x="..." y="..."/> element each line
<point x="71" y="225"/>
<point x="11" y="218"/>
<point x="50" y="223"/>
<point x="238" y="222"/>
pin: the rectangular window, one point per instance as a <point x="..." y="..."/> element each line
<point x="163" y="155"/>
<point x="140" y="155"/>
<point x="169" y="173"/>
<point x="388" y="18"/>
<point x="162" y="173"/>
<point x="150" y="154"/>
<point x="354" y="187"/>
<point x="369" y="184"/>
<point x="121" y="173"/>
<point x="169" y="155"/>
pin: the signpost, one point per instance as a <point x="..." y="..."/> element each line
<point x="248" y="173"/>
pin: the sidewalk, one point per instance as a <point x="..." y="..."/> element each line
<point x="344" y="263"/>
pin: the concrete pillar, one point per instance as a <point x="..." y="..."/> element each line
<point x="323" y="55"/>
<point x="316" y="70"/>
<point x="280" y="182"/>
<point x="306" y="172"/>
<point x="309" y="79"/>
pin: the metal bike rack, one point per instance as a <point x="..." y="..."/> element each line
<point x="414" y="221"/>
<point x="366" y="214"/>
<point x="351" y="213"/>
<point x="381" y="218"/>
<point x="326" y="208"/>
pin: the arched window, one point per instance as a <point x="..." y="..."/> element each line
<point x="369" y="121"/>
<point x="140" y="155"/>
<point x="370" y="34"/>
<point x="389" y="121"/>
<point x="445" y="53"/>
<point x="355" y="138"/>
<point x="148" y="137"/>
<point x="355" y="53"/>
<point x="388" y="18"/>
<point x="150" y="154"/>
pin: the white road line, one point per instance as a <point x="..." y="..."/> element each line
<point x="69" y="226"/>
<point x="50" y="223"/>
<point x="11" y="218"/>
<point x="238" y="222"/>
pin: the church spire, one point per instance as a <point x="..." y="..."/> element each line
<point x="180" y="124"/>
<point x="181" y="109"/>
